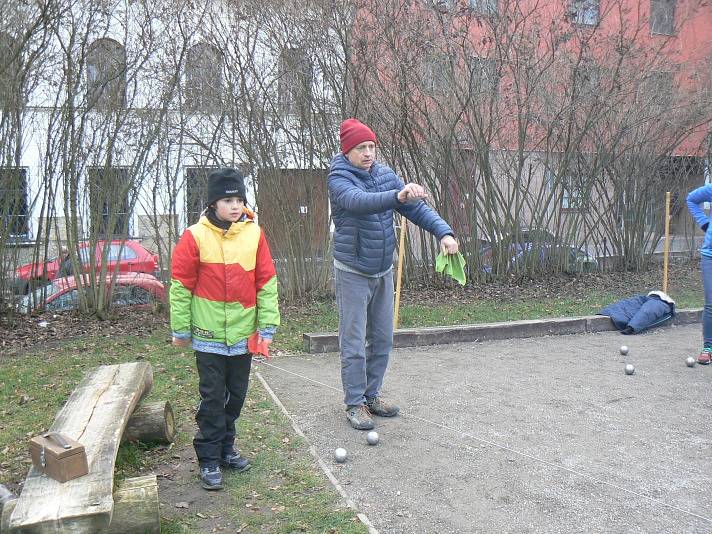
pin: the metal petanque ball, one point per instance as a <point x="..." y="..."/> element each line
<point x="690" y="361"/>
<point x="340" y="455"/>
<point x="629" y="369"/>
<point x="372" y="438"/>
<point x="624" y="350"/>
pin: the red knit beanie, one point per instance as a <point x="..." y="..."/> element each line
<point x="353" y="132"/>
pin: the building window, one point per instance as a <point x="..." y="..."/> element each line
<point x="585" y="12"/>
<point x="203" y="78"/>
<point x="571" y="187"/>
<point x="296" y="78"/>
<point x="437" y="77"/>
<point x="109" y="201"/>
<point x="106" y="75"/>
<point x="196" y="180"/>
<point x="483" y="7"/>
<point x="14" y="209"/>
<point x="572" y="193"/>
<point x="484" y="79"/>
<point x="662" y="17"/>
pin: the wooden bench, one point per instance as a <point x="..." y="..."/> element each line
<point x="96" y="415"/>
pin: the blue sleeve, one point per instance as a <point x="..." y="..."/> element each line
<point x="652" y="313"/>
<point x="345" y="194"/>
<point x="425" y="217"/>
<point x="267" y="332"/>
<point x="623" y="311"/>
<point x="697" y="197"/>
<point x="422" y="214"/>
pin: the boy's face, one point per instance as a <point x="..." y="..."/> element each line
<point x="229" y="209"/>
<point x="362" y="155"/>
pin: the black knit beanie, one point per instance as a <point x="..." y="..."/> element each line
<point x="224" y="183"/>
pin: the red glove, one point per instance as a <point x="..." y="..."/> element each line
<point x="258" y="345"/>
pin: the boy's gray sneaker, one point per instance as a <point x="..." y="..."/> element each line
<point x="211" y="477"/>
<point x="233" y="460"/>
<point x="359" y="417"/>
<point x="381" y="407"/>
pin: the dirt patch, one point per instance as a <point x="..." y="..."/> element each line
<point x="20" y="333"/>
<point x="182" y="499"/>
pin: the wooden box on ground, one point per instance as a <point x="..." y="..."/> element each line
<point x="58" y="456"/>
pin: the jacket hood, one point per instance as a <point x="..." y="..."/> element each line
<point x="662" y="296"/>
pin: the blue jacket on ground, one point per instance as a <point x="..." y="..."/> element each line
<point x="635" y="314"/>
<point x="694" y="199"/>
<point x="362" y="204"/>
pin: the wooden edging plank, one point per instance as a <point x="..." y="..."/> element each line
<point x="322" y="342"/>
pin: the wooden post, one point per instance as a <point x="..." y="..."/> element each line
<point x="399" y="281"/>
<point x="136" y="508"/>
<point x="666" y="252"/>
<point x="151" y="422"/>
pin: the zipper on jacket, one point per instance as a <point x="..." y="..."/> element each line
<point x="383" y="231"/>
<point x="222" y="251"/>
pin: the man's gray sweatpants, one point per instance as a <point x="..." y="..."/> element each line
<point x="365" y="332"/>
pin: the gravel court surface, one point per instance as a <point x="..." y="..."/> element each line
<point x="542" y="435"/>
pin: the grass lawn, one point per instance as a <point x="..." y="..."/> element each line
<point x="322" y="316"/>
<point x="284" y="491"/>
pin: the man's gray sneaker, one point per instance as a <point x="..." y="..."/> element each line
<point x="233" y="460"/>
<point x="211" y="477"/>
<point x="359" y="417"/>
<point x="381" y="407"/>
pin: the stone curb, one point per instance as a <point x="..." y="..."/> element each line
<point x="318" y="343"/>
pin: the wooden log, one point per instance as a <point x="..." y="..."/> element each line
<point x="153" y="421"/>
<point x="7" y="505"/>
<point x="5" y="495"/>
<point x="136" y="508"/>
<point x="95" y="415"/>
<point x="7" y="509"/>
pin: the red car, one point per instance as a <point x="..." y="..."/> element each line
<point x="129" y="289"/>
<point x="130" y="255"/>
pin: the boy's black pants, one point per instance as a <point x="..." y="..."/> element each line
<point x="223" y="387"/>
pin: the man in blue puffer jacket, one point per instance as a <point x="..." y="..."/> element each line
<point x="363" y="195"/>
<point x="694" y="201"/>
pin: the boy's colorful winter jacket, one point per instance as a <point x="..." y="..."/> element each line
<point x="223" y="285"/>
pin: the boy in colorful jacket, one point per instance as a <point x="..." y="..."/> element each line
<point x="223" y="290"/>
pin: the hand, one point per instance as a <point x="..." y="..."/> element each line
<point x="448" y="245"/>
<point x="263" y="341"/>
<point x="178" y="342"/>
<point x="412" y="192"/>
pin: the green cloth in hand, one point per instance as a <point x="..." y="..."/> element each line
<point x="452" y="265"/>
